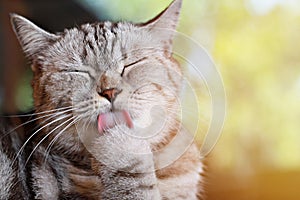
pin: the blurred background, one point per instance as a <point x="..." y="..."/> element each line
<point x="256" y="47"/>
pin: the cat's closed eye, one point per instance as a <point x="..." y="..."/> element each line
<point x="78" y="71"/>
<point x="131" y="64"/>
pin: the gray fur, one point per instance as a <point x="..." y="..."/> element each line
<point x="45" y="183"/>
<point x="7" y="175"/>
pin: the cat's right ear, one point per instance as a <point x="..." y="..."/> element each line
<point x="31" y="37"/>
<point x="163" y="26"/>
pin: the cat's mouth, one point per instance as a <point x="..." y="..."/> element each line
<point x="111" y="119"/>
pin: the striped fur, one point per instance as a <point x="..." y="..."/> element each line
<point x="60" y="152"/>
<point x="7" y="176"/>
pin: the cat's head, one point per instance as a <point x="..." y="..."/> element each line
<point x="104" y="67"/>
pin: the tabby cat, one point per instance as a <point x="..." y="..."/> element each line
<point x="105" y="123"/>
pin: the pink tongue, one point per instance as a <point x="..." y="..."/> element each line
<point x="109" y="120"/>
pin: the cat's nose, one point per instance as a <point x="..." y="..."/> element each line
<point x="110" y="94"/>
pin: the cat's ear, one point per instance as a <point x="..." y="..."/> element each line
<point x="163" y="26"/>
<point x="31" y="37"/>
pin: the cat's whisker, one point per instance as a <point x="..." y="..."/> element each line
<point x="29" y="138"/>
<point x="38" y="113"/>
<point x="47" y="151"/>
<point x="51" y="115"/>
<point x="89" y="121"/>
<point x="48" y="119"/>
<point x="52" y="131"/>
<point x="82" y="108"/>
<point x="143" y="92"/>
<point x="85" y="125"/>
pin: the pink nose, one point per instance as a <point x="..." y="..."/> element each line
<point x="109" y="94"/>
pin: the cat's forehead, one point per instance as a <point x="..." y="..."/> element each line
<point x="105" y="43"/>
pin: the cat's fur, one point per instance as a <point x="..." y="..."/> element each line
<point x="71" y="69"/>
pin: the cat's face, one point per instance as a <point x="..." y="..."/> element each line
<point x="105" y="67"/>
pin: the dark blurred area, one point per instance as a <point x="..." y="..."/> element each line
<point x="51" y="15"/>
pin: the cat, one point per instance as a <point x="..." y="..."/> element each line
<point x="105" y="122"/>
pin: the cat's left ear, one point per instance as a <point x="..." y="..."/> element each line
<point x="31" y="37"/>
<point x="163" y="26"/>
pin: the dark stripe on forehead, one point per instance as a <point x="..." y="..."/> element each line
<point x="95" y="33"/>
<point x="91" y="45"/>
<point x="114" y="27"/>
<point x="99" y="34"/>
<point x="111" y="40"/>
<point x="103" y="32"/>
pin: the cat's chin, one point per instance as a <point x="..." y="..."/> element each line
<point x="109" y="120"/>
